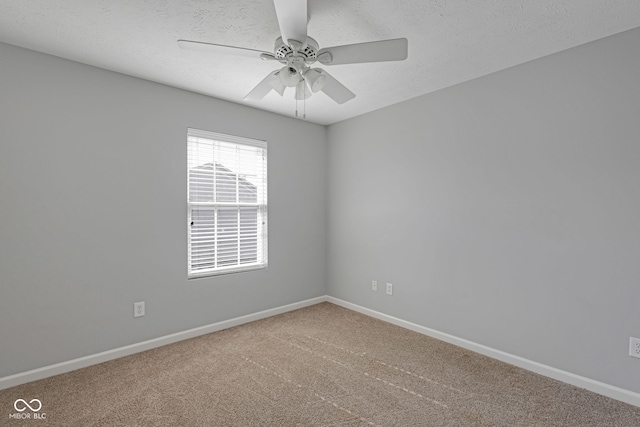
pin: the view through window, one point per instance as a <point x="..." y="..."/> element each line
<point x="227" y="203"/>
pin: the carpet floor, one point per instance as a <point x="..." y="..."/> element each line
<point x="319" y="366"/>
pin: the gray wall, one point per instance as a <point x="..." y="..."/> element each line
<point x="505" y="210"/>
<point x="93" y="211"/>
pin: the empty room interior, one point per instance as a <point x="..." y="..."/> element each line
<point x="414" y="213"/>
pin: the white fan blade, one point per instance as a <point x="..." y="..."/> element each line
<point x="263" y="88"/>
<point x="292" y="19"/>
<point x="380" y="51"/>
<point x="220" y="49"/>
<point x="277" y="84"/>
<point x="336" y="90"/>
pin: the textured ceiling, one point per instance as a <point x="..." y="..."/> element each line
<point x="450" y="41"/>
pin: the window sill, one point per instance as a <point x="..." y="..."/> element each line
<point x="226" y="270"/>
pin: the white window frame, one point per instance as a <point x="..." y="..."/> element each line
<point x="216" y="206"/>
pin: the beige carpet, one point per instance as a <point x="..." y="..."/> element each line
<point x="319" y="366"/>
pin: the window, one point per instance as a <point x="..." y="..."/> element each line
<point x="227" y="199"/>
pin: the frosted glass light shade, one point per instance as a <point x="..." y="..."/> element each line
<point x="289" y="76"/>
<point x="302" y="90"/>
<point x="315" y="78"/>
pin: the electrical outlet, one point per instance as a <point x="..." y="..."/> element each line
<point x="138" y="309"/>
<point x="389" y="289"/>
<point x="374" y="285"/>
<point x="634" y="347"/>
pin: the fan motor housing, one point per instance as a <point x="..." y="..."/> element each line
<point x="281" y="50"/>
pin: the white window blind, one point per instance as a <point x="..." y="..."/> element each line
<point x="227" y="200"/>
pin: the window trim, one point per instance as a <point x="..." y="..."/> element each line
<point x="262" y="208"/>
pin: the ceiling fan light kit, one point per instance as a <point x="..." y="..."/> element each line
<point x="315" y="78"/>
<point x="302" y="91"/>
<point x="289" y="76"/>
<point x="297" y="52"/>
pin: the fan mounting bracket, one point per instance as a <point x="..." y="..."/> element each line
<point x="307" y="51"/>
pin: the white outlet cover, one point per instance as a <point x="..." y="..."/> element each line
<point x="138" y="309"/>
<point x="374" y="285"/>
<point x="634" y="347"/>
<point x="389" y="289"/>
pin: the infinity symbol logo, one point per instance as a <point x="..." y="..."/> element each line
<point x="26" y="405"/>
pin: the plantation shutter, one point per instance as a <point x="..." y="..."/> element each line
<point x="227" y="203"/>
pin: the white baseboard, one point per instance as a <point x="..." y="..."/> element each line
<point x="604" y="389"/>
<point x="94" y="359"/>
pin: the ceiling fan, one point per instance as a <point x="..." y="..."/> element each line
<point x="297" y="52"/>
